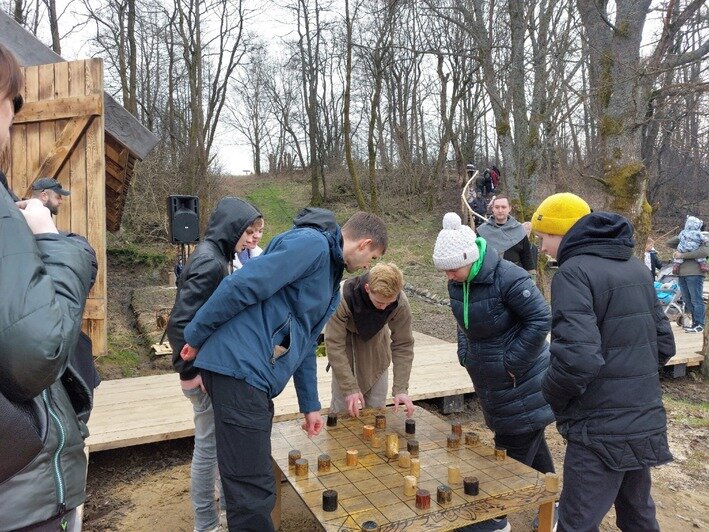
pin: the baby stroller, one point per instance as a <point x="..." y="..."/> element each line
<point x="670" y="296"/>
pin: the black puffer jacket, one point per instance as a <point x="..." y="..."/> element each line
<point x="609" y="336"/>
<point x="508" y="324"/>
<point x="205" y="269"/>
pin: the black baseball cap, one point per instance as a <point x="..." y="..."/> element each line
<point x="48" y="183"/>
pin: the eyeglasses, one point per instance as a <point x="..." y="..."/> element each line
<point x="17" y="103"/>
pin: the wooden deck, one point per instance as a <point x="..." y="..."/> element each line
<point x="149" y="409"/>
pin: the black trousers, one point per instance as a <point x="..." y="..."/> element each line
<point x="530" y="448"/>
<point x="243" y="416"/>
<point x="591" y="488"/>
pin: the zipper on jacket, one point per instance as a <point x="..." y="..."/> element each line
<point x="56" y="457"/>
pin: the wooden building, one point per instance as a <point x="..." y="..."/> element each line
<point x="71" y="130"/>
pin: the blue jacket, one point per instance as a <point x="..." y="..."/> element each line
<point x="262" y="322"/>
<point x="506" y="334"/>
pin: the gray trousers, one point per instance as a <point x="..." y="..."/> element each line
<point x="591" y="488"/>
<point x="375" y="397"/>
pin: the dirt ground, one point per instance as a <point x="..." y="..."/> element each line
<point x="147" y="487"/>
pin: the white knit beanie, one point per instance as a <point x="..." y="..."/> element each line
<point x="455" y="245"/>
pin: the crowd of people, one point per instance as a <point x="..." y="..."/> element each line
<point x="246" y="320"/>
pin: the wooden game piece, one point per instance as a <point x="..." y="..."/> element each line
<point x="453" y="441"/>
<point x="444" y="494"/>
<point x="324" y="463"/>
<point x="416" y="467"/>
<point x="453" y="475"/>
<point x="500" y="454"/>
<point x="392" y="449"/>
<point x="413" y="447"/>
<point x="423" y="499"/>
<point x="410" y="426"/>
<point x="301" y="467"/>
<point x="370" y="526"/>
<point x="329" y="500"/>
<point x="376" y="440"/>
<point x="368" y="432"/>
<point x="380" y="421"/>
<point x="410" y="483"/>
<point x="551" y="482"/>
<point x="332" y="420"/>
<point x="352" y="457"/>
<point x="457" y="428"/>
<point x="404" y="459"/>
<point x="292" y="457"/>
<point x="471" y="486"/>
<point x="471" y="438"/>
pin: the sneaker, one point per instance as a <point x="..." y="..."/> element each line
<point x="696" y="329"/>
<point x="535" y="523"/>
<point x="491" y="525"/>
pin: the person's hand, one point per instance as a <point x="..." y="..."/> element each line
<point x="193" y="383"/>
<point x="188" y="353"/>
<point x="676" y="255"/>
<point x="313" y="424"/>
<point x="403" y="399"/>
<point x="37" y="216"/>
<point x="352" y="401"/>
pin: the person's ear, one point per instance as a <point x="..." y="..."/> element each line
<point x="366" y="288"/>
<point x="364" y="244"/>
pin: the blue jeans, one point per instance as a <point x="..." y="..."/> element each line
<point x="691" y="287"/>
<point x="204" y="462"/>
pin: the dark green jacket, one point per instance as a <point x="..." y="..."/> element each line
<point x="44" y="280"/>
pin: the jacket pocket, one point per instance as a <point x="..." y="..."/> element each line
<point x="281" y="340"/>
<point x="27" y="428"/>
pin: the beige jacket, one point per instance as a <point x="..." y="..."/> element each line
<point x="357" y="365"/>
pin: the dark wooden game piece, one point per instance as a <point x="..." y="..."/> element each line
<point x="329" y="500"/>
<point x="500" y="454"/>
<point x="471" y="486"/>
<point x="453" y="441"/>
<point x="471" y="438"/>
<point x="332" y="420"/>
<point x="301" y="467"/>
<point x="293" y="456"/>
<point x="413" y="447"/>
<point x="324" y="463"/>
<point x="370" y="526"/>
<point x="444" y="494"/>
<point x="457" y="428"/>
<point x="410" y="426"/>
<point x="380" y="421"/>
<point x="423" y="499"/>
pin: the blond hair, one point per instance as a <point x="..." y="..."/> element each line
<point x="385" y="279"/>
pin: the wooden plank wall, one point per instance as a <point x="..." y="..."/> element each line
<point x="84" y="211"/>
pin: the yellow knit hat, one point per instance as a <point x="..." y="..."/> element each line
<point x="556" y="214"/>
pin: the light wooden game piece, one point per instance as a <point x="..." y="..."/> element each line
<point x="453" y="475"/>
<point x="500" y="454"/>
<point x="329" y="500"/>
<point x="444" y="494"/>
<point x="404" y="459"/>
<point x="367" y="432"/>
<point x="292" y="457"/>
<point x="370" y="526"/>
<point x="413" y="447"/>
<point x="324" y="463"/>
<point x="457" y="428"/>
<point x="423" y="499"/>
<point x="332" y="420"/>
<point x="416" y="467"/>
<point x="392" y="449"/>
<point x="471" y="438"/>
<point x="380" y="421"/>
<point x="410" y="483"/>
<point x="471" y="486"/>
<point x="352" y="456"/>
<point x="551" y="482"/>
<point x="453" y="441"/>
<point x="301" y="467"/>
<point x="410" y="426"/>
<point x="376" y="440"/>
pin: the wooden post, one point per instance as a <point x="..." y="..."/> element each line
<point x="276" y="512"/>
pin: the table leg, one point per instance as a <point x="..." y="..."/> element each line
<point x="546" y="517"/>
<point x="276" y="512"/>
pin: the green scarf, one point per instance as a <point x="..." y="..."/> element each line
<point x="474" y="269"/>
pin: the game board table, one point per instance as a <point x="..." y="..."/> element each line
<point x="373" y="490"/>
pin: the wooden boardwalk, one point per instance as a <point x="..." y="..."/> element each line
<point x="149" y="409"/>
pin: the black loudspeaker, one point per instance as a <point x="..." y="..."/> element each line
<point x="183" y="213"/>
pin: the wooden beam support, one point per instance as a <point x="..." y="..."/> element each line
<point x="60" y="109"/>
